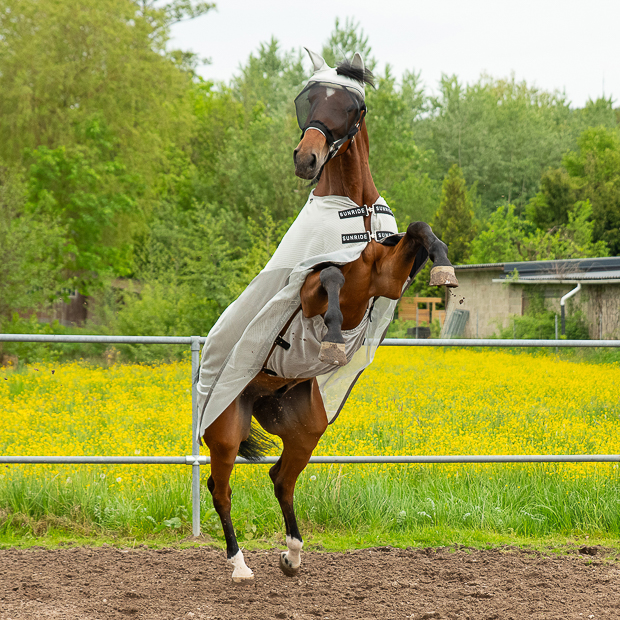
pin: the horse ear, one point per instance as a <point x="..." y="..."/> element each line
<point x="358" y="61"/>
<point x="317" y="60"/>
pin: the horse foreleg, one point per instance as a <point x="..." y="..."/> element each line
<point x="223" y="438"/>
<point x="442" y="273"/>
<point x="333" y="348"/>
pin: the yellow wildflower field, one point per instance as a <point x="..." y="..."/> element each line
<point x="417" y="401"/>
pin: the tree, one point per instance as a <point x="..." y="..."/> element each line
<point x="66" y="63"/>
<point x="551" y="205"/>
<point x="597" y="113"/>
<point x="29" y="247"/>
<point x="398" y="167"/>
<point x="502" y="133"/>
<point x="595" y="173"/>
<point x="270" y="81"/>
<point x="454" y="220"/>
<point x="509" y="238"/>
<point x="90" y="193"/>
<point x="344" y="41"/>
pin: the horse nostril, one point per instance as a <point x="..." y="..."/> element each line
<point x="313" y="160"/>
<point x="295" y="155"/>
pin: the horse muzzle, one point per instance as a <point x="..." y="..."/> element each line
<point x="310" y="155"/>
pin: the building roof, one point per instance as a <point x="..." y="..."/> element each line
<point x="555" y="271"/>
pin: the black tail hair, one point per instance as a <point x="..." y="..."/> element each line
<point x="256" y="445"/>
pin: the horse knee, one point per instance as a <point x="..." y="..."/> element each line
<point x="331" y="276"/>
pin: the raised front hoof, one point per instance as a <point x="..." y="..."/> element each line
<point x="443" y="276"/>
<point x="286" y="567"/>
<point x="333" y="353"/>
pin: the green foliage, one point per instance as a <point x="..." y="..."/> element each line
<point x="30" y="246"/>
<point x="454" y="221"/>
<point x="595" y="171"/>
<point x="89" y="192"/>
<point x="269" y="81"/>
<point x="509" y="238"/>
<point x="551" y="204"/>
<point x="538" y="323"/>
<point x="63" y="64"/>
<point x="399" y="168"/>
<point x="502" y="133"/>
<point x="592" y="174"/>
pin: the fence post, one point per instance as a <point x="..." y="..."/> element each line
<point x="195" y="445"/>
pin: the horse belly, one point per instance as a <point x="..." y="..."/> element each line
<point x="301" y="360"/>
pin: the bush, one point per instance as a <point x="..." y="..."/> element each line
<point x="538" y="323"/>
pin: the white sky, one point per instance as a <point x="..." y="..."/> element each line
<point x="570" y="45"/>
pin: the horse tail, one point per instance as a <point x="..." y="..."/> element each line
<point x="257" y="444"/>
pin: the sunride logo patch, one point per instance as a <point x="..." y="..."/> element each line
<point x="355" y="212"/>
<point x="356" y="237"/>
<point x="383" y="209"/>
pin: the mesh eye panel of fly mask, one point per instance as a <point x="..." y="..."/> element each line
<point x="330" y="108"/>
<point x="331" y="103"/>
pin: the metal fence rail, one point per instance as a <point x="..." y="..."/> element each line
<point x="195" y="459"/>
<point x="205" y="460"/>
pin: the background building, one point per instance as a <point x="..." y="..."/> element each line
<point x="489" y="296"/>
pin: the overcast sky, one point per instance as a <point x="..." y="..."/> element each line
<point x="569" y="45"/>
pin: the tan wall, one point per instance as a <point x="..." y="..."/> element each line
<point x="489" y="303"/>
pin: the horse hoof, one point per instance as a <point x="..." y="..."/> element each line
<point x="286" y="567"/>
<point x="443" y="276"/>
<point x="243" y="579"/>
<point x="333" y="353"/>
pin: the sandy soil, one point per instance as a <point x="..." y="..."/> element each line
<point x="386" y="583"/>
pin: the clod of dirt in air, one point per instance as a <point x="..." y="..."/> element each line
<point x="461" y="300"/>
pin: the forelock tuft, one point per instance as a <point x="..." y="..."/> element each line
<point x="363" y="76"/>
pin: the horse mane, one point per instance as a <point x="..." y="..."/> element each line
<point x="363" y="76"/>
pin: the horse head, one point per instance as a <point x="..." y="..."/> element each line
<point x="330" y="110"/>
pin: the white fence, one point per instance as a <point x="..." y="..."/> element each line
<point x="195" y="459"/>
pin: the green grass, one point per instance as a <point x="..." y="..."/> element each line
<point x="400" y="506"/>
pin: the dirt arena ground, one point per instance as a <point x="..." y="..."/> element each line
<point x="108" y="583"/>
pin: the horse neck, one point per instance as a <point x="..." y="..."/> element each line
<point x="349" y="174"/>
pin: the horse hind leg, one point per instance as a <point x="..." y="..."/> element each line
<point x="333" y="347"/>
<point x="223" y="438"/>
<point x="301" y="426"/>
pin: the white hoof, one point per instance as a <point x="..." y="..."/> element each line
<point x="333" y="353"/>
<point x="241" y="573"/>
<point x="290" y="560"/>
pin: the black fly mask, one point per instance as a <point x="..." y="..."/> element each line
<point x="333" y="109"/>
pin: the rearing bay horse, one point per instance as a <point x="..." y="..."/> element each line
<point x="288" y="351"/>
